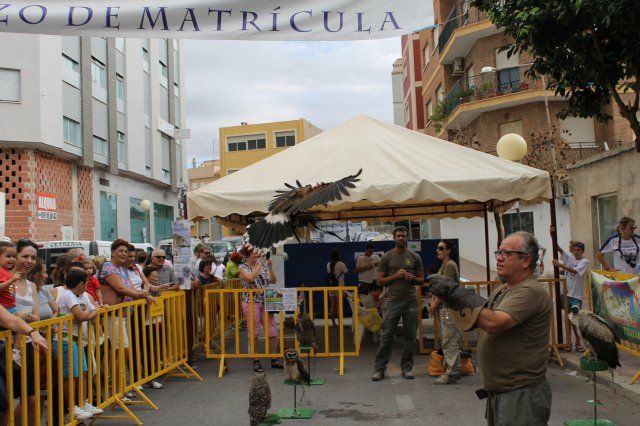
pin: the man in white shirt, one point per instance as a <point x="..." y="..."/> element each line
<point x="575" y="270"/>
<point x="366" y="265"/>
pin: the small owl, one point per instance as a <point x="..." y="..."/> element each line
<point x="294" y="368"/>
<point x="306" y="331"/>
<point x="259" y="398"/>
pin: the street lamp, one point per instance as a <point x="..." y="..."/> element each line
<point x="513" y="147"/>
<point x="145" y="205"/>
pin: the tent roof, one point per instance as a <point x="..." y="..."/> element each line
<point x="405" y="174"/>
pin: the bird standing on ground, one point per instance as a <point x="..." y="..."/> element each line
<point x="259" y="398"/>
<point x="306" y="331"/>
<point x="294" y="368"/>
<point x="285" y="216"/>
<point x="597" y="334"/>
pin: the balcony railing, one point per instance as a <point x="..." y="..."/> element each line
<point x="461" y="15"/>
<point x="500" y="82"/>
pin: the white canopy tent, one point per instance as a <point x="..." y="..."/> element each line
<point x="405" y="174"/>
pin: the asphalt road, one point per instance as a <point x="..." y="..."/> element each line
<point x="354" y="399"/>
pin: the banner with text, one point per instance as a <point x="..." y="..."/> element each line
<point x="616" y="298"/>
<point x="219" y="19"/>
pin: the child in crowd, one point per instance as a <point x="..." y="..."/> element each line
<point x="75" y="301"/>
<point x="93" y="285"/>
<point x="575" y="268"/>
<point x="7" y="279"/>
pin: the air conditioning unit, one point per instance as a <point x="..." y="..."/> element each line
<point x="458" y="66"/>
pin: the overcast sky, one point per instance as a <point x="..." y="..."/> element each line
<point x="228" y="82"/>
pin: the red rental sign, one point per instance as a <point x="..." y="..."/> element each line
<point x="47" y="206"/>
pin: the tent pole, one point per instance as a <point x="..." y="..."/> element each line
<point x="556" y="270"/>
<point x="486" y="242"/>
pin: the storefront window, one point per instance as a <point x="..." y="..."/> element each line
<point x="162" y="220"/>
<point x="108" y="216"/>
<point x="140" y="222"/>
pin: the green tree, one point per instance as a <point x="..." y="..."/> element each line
<point x="590" y="49"/>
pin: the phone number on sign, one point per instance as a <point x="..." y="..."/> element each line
<point x="47" y="215"/>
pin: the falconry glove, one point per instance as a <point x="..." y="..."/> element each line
<point x="463" y="303"/>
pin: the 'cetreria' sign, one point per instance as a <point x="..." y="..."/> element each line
<point x="219" y="19"/>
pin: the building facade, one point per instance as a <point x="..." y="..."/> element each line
<point x="397" y="92"/>
<point x="473" y="93"/>
<point x="200" y="175"/>
<point x="602" y="189"/>
<point x="241" y="146"/>
<point x="88" y="130"/>
<point x="412" y="82"/>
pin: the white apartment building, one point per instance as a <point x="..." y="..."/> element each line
<point x="88" y="129"/>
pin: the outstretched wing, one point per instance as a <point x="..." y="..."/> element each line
<point x="267" y="232"/>
<point x="301" y="198"/>
<point x="601" y="337"/>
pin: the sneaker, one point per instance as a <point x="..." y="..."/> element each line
<point x="377" y="376"/>
<point x="91" y="409"/>
<point x="154" y="385"/>
<point x="80" y="414"/>
<point x="445" y="380"/>
<point x="408" y="374"/>
<point x="17" y="358"/>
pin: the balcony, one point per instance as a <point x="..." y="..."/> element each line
<point x="504" y="88"/>
<point x="464" y="26"/>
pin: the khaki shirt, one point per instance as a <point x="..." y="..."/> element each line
<point x="519" y="356"/>
<point x="391" y="262"/>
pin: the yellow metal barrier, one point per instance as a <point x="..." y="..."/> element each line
<point x="124" y="346"/>
<point x="624" y="345"/>
<point x="484" y="288"/>
<point x="224" y="316"/>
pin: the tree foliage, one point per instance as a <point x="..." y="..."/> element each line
<point x="590" y="49"/>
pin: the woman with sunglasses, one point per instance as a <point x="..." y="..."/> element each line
<point x="625" y="246"/>
<point x="451" y="335"/>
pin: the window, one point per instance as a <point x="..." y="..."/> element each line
<point x="284" y="139"/>
<point x="164" y="75"/>
<point x="70" y="63"/>
<point x="98" y="74"/>
<point x="246" y="142"/>
<point x="176" y="111"/>
<point x="162" y="221"/>
<point x="426" y="55"/>
<point x="9" y="85"/>
<point x="439" y="94"/>
<point x="108" y="216"/>
<point x="139" y="222"/>
<point x="71" y="132"/>
<point x="146" y="82"/>
<point x="122" y="147"/>
<point x="519" y="221"/>
<point x="100" y="146"/>
<point x="165" y="146"/>
<point x="607" y="212"/>
<point x="164" y="103"/>
<point x="146" y="62"/>
<point x="436" y="34"/>
<point x="470" y="77"/>
<point x="147" y="148"/>
<point x="578" y="132"/>
<point x="120" y="87"/>
<point x="120" y="44"/>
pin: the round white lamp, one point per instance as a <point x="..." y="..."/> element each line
<point x="512" y="147"/>
<point x="145" y="205"/>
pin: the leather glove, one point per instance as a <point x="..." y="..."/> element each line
<point x="463" y="303"/>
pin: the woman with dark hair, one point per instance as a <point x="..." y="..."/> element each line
<point x="336" y="270"/>
<point x="205" y="275"/>
<point x="451" y="335"/>
<point x="47" y="307"/>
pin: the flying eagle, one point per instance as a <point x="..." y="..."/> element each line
<point x="598" y="336"/>
<point x="285" y="216"/>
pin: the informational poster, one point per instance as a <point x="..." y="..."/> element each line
<point x="218" y="19"/>
<point x="280" y="299"/>
<point x="616" y="298"/>
<point x="182" y="265"/>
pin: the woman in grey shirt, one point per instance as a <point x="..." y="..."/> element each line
<point x="47" y="307"/>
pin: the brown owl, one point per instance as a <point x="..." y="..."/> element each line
<point x="294" y="368"/>
<point x="306" y="331"/>
<point x="259" y="398"/>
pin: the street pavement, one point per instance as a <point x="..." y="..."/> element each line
<point x="354" y="399"/>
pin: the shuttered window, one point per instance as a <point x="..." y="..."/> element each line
<point x="9" y="85"/>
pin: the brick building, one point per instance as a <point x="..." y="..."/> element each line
<point x="474" y="93"/>
<point x="88" y="130"/>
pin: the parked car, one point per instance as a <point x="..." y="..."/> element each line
<point x="221" y="249"/>
<point x="236" y="240"/>
<point x="167" y="246"/>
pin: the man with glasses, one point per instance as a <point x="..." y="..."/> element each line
<point x="513" y="345"/>
<point x="166" y="276"/>
<point x="400" y="270"/>
<point x="201" y="252"/>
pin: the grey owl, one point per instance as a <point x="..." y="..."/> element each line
<point x="306" y="331"/>
<point x="294" y="368"/>
<point x="259" y="398"/>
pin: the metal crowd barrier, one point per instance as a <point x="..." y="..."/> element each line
<point x="225" y="320"/>
<point x="484" y="288"/>
<point x="156" y="346"/>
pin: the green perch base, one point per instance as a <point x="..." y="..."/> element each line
<point x="297" y="413"/>
<point x="592" y="364"/>
<point x="271" y="419"/>
<point x="599" y="422"/>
